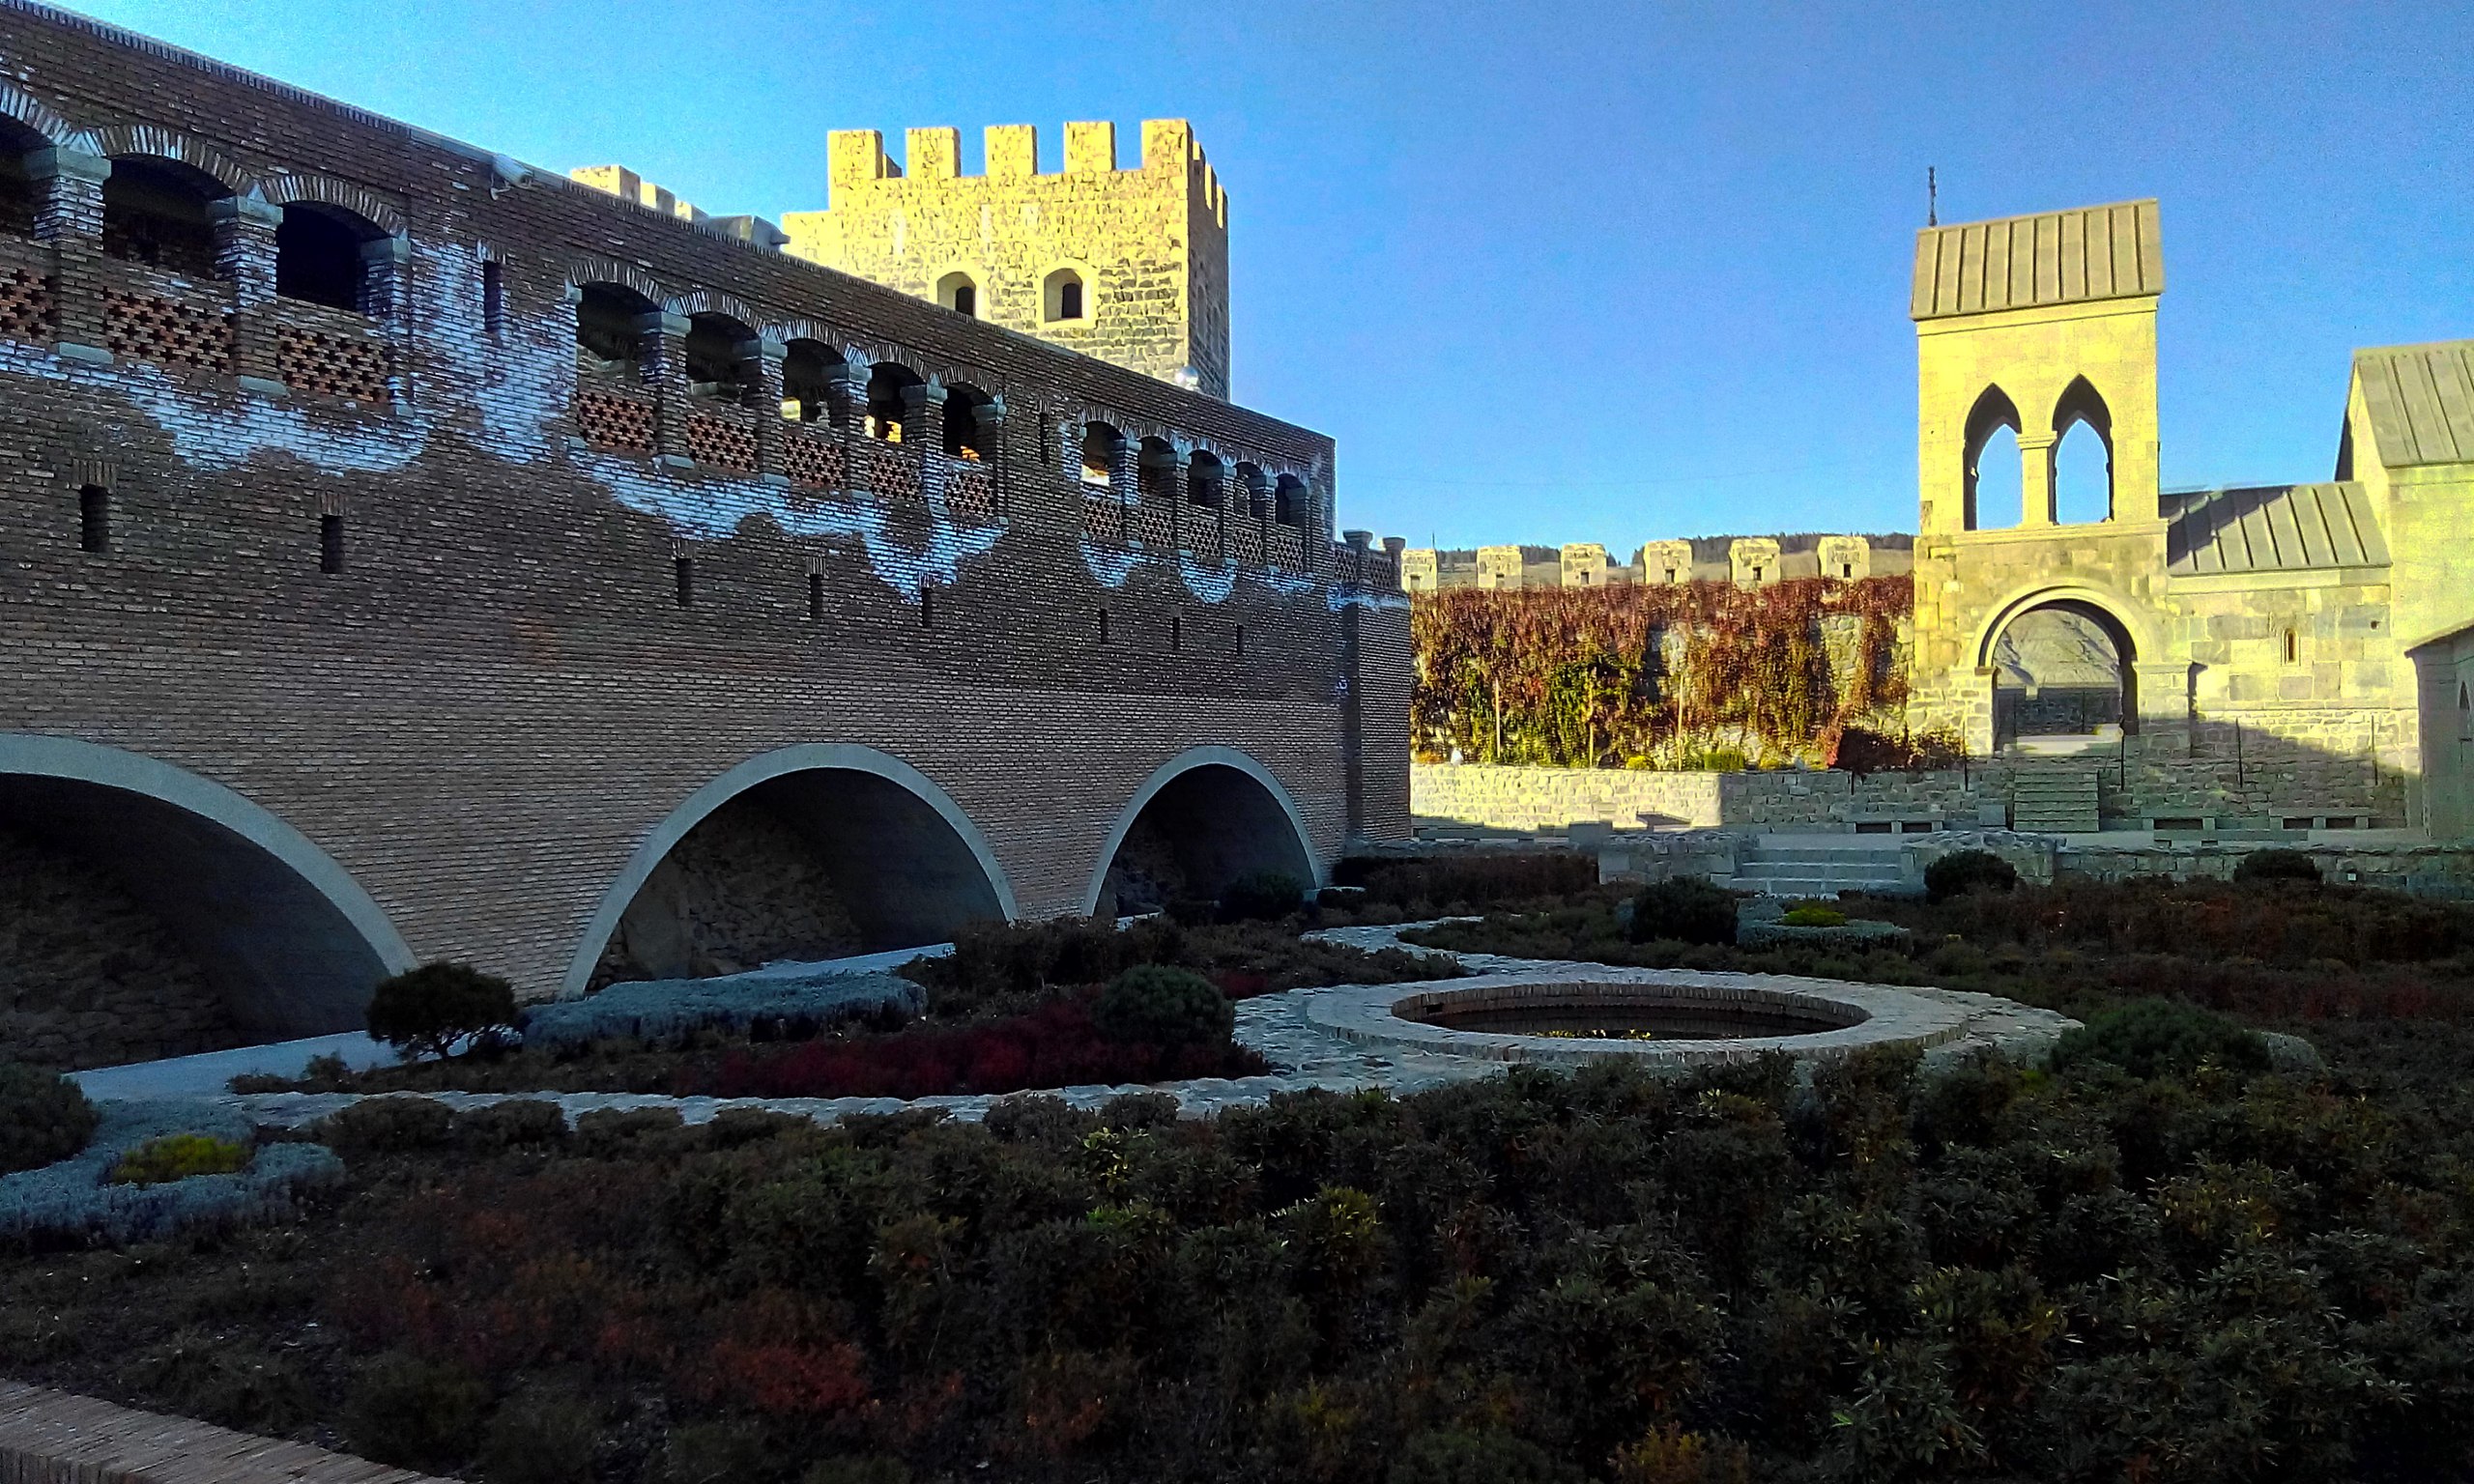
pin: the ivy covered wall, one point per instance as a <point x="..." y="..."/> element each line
<point x="1692" y="675"/>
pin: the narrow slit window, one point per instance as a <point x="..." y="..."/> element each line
<point x="493" y="298"/>
<point x="683" y="573"/>
<point x="1104" y="625"/>
<point x="1176" y="632"/>
<point x="2289" y="646"/>
<point x="927" y="607"/>
<point x="1241" y="642"/>
<point x="330" y="543"/>
<point x="815" y="595"/>
<point x="94" y="518"/>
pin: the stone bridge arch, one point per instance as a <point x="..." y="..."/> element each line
<point x="285" y="936"/>
<point x="1212" y="815"/>
<point x="872" y="836"/>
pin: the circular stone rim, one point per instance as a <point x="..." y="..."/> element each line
<point x="1882" y="1015"/>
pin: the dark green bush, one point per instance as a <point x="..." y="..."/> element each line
<point x="546" y="1437"/>
<point x="1261" y="897"/>
<point x="429" y="1009"/>
<point x="413" y="1413"/>
<point x="1164" y="1007"/>
<point x="1968" y="870"/>
<point x="2161" y="1038"/>
<point x="2277" y="865"/>
<point x="514" y="1123"/>
<point x="1479" y="1458"/>
<point x="716" y="1453"/>
<point x="1683" y="910"/>
<point x="388" y="1124"/>
<point x="44" y="1118"/>
<point x="1468" y="878"/>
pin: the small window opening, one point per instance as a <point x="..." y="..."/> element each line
<point x="1846" y="569"/>
<point x="1099" y="453"/>
<point x="1670" y="575"/>
<point x="1241" y="642"/>
<point x="94" y="518"/>
<point x="1756" y="573"/>
<point x="927" y="607"/>
<point x="1064" y="294"/>
<point x="2288" y="646"/>
<point x="1104" y="625"/>
<point x="155" y="212"/>
<point x="608" y="341"/>
<point x="815" y="595"/>
<point x="957" y="292"/>
<point x="714" y="349"/>
<point x="494" y="298"/>
<point x="1176" y="632"/>
<point x="330" y="543"/>
<point x="317" y="257"/>
<point x="683" y="571"/>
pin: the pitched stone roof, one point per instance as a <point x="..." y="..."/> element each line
<point x="2093" y="253"/>
<point x="2421" y="401"/>
<point x="2288" y="527"/>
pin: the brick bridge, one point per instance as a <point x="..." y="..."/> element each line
<point x="407" y="554"/>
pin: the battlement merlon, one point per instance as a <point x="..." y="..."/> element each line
<point x="856" y="156"/>
<point x="626" y="184"/>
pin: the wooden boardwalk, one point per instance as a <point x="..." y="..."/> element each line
<point x="55" y="1438"/>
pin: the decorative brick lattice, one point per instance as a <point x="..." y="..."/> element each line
<point x="1287" y="549"/>
<point x="1246" y="542"/>
<point x="139" y="327"/>
<point x="721" y="442"/>
<point x="892" y="473"/>
<point x="1199" y="531"/>
<point x="972" y="494"/>
<point x="25" y="305"/>
<point x="1151" y="526"/>
<point x="608" y="420"/>
<point x="321" y="366"/>
<point x="1103" y="519"/>
<point x="810" y="459"/>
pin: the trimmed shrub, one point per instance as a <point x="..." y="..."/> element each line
<point x="1261" y="896"/>
<point x="2277" y="865"/>
<point x="1683" y="910"/>
<point x="2161" y="1038"/>
<point x="74" y="1202"/>
<point x="44" y="1117"/>
<point x="671" y="1010"/>
<point x="1479" y="1458"/>
<point x="1968" y="870"/>
<point x="413" y="1413"/>
<point x="1164" y="1007"/>
<point x="178" y="1156"/>
<point x="519" y="1122"/>
<point x="1812" y="916"/>
<point x="429" y="1009"/>
<point x="388" y="1124"/>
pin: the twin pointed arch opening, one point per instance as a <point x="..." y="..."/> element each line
<point x="2069" y="465"/>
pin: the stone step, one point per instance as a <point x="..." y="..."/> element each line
<point x="1854" y="870"/>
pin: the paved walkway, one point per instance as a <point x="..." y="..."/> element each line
<point x="55" y="1438"/>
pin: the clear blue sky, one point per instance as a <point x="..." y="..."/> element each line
<point x="1558" y="273"/>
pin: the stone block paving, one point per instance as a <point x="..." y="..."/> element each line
<point x="52" y="1436"/>
<point x="1345" y="1040"/>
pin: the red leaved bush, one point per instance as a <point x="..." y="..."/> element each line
<point x="1054" y="1045"/>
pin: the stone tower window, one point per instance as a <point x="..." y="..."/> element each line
<point x="683" y="571"/>
<point x="957" y="293"/>
<point x="317" y="255"/>
<point x="2289" y="646"/>
<point x="493" y="298"/>
<point x="94" y="518"/>
<point x="1065" y="295"/>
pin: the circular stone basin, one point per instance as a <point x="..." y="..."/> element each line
<point x="1616" y="1012"/>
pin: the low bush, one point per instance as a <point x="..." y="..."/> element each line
<point x="543" y="1438"/>
<point x="44" y="1117"/>
<point x="1810" y="915"/>
<point x="518" y="1123"/>
<point x="74" y="1202"/>
<point x="1683" y="910"/>
<point x="431" y="1009"/>
<point x="1161" y="1005"/>
<point x="179" y="1156"/>
<point x="2277" y="865"/>
<point x="670" y="1011"/>
<point x="414" y="1412"/>
<point x="1467" y="881"/>
<point x="1261" y="897"/>
<point x="1968" y="870"/>
<point x="2161" y="1038"/>
<point x="388" y="1124"/>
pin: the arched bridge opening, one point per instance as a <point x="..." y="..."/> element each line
<point x="811" y="853"/>
<point x="151" y="912"/>
<point x="1195" y="826"/>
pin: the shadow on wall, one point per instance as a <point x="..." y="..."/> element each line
<point x="281" y="959"/>
<point x="1202" y="830"/>
<point x="814" y="864"/>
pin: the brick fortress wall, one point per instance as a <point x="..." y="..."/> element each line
<point x="483" y="715"/>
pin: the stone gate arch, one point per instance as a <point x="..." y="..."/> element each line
<point x="289" y="941"/>
<point x="894" y="849"/>
<point x="1218" y="814"/>
<point x="2118" y="623"/>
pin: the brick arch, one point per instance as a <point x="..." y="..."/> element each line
<point x="697" y="301"/>
<point x="33" y="113"/>
<point x="1264" y="828"/>
<point x="894" y="787"/>
<point x="2132" y="621"/>
<point x="159" y="143"/>
<point x="582" y="271"/>
<point x="802" y="328"/>
<point x="343" y="195"/>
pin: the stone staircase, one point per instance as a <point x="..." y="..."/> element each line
<point x="1823" y="865"/>
<point x="2055" y="801"/>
